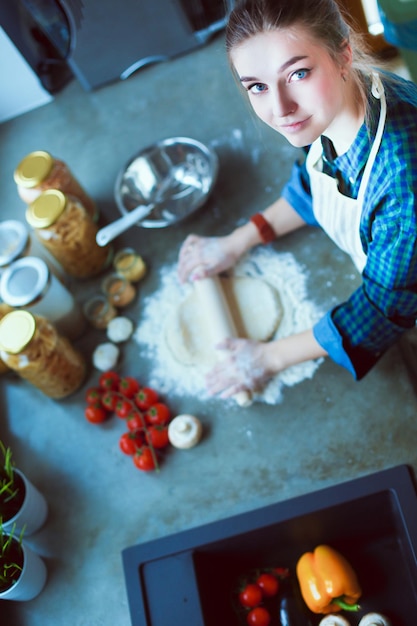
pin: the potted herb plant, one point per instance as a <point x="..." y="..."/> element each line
<point x="22" y="571"/>
<point x="21" y="504"/>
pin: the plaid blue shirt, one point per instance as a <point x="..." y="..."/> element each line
<point x="357" y="332"/>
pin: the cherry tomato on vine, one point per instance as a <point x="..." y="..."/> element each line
<point x="134" y="421"/>
<point x="268" y="584"/>
<point x="157" y="436"/>
<point x="144" y="460"/>
<point x="258" y="616"/>
<point x="128" y="386"/>
<point x="130" y="442"/>
<point x="250" y="596"/>
<point x="281" y="572"/>
<point x="95" y="413"/>
<point x="109" y="380"/>
<point x="158" y="413"/>
<point x="123" y="408"/>
<point x="93" y="394"/>
<point x="145" y="398"/>
<point x="109" y="400"/>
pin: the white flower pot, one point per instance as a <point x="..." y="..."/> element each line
<point x="32" y="578"/>
<point x="33" y="511"/>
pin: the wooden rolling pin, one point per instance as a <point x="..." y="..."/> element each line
<point x="219" y="319"/>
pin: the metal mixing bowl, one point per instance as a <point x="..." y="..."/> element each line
<point x="175" y="175"/>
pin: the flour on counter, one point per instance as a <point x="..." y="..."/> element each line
<point x="174" y="379"/>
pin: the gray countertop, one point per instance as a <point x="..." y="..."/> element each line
<point x="324" y="430"/>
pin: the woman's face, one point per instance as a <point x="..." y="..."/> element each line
<point x="293" y="83"/>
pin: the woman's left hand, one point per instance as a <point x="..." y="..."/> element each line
<point x="244" y="367"/>
<point x="247" y="365"/>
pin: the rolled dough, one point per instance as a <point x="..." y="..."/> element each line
<point x="255" y="307"/>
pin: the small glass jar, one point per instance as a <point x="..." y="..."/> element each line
<point x="31" y="346"/>
<point x="39" y="171"/>
<point x="99" y="311"/>
<point x="129" y="264"/>
<point x="28" y="283"/>
<point x="118" y="290"/>
<point x="14" y="241"/>
<point x="64" y="227"/>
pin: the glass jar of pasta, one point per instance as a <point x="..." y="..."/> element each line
<point x="68" y="232"/>
<point x="39" y="171"/>
<point x="31" y="346"/>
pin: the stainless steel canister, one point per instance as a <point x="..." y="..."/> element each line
<point x="14" y="241"/>
<point x="28" y="283"/>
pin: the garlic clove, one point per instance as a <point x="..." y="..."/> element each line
<point x="374" y="619"/>
<point x="185" y="431"/>
<point x="334" y="620"/>
<point x="119" y="329"/>
<point x="105" y="356"/>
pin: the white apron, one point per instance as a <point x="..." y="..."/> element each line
<point x="338" y="215"/>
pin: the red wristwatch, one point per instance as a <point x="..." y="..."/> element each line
<point x="265" y="229"/>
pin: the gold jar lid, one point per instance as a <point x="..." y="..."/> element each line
<point x="33" y="169"/>
<point x="16" y="330"/>
<point x="46" y="209"/>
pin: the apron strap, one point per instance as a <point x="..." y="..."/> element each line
<point x="378" y="92"/>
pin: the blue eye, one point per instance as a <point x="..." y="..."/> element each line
<point x="299" y="74"/>
<point x="257" y="88"/>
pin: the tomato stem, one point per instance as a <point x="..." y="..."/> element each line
<point x="144" y="426"/>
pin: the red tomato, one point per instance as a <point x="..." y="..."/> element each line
<point x="95" y="413"/>
<point x="129" y="442"/>
<point x="158" y="414"/>
<point x="93" y="394"/>
<point x="109" y="400"/>
<point x="144" y="460"/>
<point x="134" y="421"/>
<point x="157" y="436"/>
<point x="123" y="408"/>
<point x="281" y="572"/>
<point x="250" y="596"/>
<point x="128" y="386"/>
<point x="109" y="380"/>
<point x="145" y="398"/>
<point x="269" y="585"/>
<point x="258" y="617"/>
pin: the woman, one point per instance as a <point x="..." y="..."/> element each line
<point x="306" y="75"/>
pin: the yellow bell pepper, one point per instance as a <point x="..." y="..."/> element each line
<point x="327" y="581"/>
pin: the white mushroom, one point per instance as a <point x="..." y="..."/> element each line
<point x="374" y="619"/>
<point x="105" y="356"/>
<point x="334" y="620"/>
<point x="185" y="431"/>
<point x="119" y="329"/>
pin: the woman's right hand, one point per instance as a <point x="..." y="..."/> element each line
<point x="201" y="257"/>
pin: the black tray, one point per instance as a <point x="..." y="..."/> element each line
<point x="186" y="579"/>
